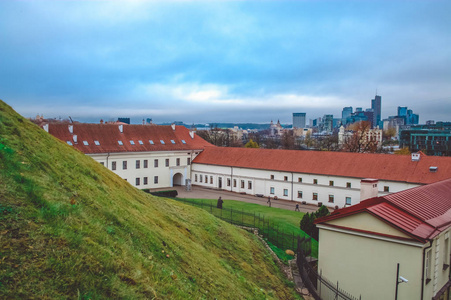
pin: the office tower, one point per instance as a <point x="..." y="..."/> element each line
<point x="345" y="114"/>
<point x="402" y="111"/>
<point x="376" y="105"/>
<point x="298" y="120"/>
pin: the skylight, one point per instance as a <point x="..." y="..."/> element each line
<point x="120" y="143"/>
<point x="162" y="142"/>
<point x="132" y="142"/>
<point x="172" y="141"/>
<point x="85" y="143"/>
<point x="183" y="141"/>
<point x="151" y="142"/>
<point x="69" y="143"/>
<point x="97" y="143"/>
<point x="140" y="142"/>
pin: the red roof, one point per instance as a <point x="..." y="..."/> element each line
<point x="345" y="164"/>
<point x="421" y="212"/>
<point x="134" y="138"/>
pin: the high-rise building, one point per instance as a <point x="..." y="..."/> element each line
<point x="346" y="113"/>
<point x="376" y="105"/>
<point x="402" y="111"/>
<point x="298" y="120"/>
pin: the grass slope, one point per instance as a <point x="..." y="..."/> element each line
<point x="69" y="228"/>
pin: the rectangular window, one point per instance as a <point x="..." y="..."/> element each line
<point x="195" y="178"/>
<point x="331" y="182"/>
<point x="348" y="185"/>
<point x="331" y="198"/>
<point x="177" y="162"/>
<point x="234" y="183"/>
<point x="299" y="194"/>
<point x="113" y="165"/>
<point x="285" y="192"/>
<point x="272" y="177"/>
<point x="200" y="178"/>
<point x="315" y="181"/>
<point x="145" y="181"/>
<point x="446" y="252"/>
<point x="137" y="181"/>
<point x="242" y="184"/>
<point x="188" y="161"/>
<point x="271" y="191"/>
<point x="211" y="179"/>
<point x="228" y="182"/>
<point x="285" y="178"/>
<point x="249" y="185"/>
<point x="138" y="164"/>
<point x="145" y="163"/>
<point x="300" y="179"/>
<point x="428" y="266"/>
<point x="315" y="196"/>
<point x="386" y="189"/>
<point x="124" y="165"/>
<point x="348" y="200"/>
<point x="155" y="179"/>
<point x="155" y="163"/>
<point x="166" y="162"/>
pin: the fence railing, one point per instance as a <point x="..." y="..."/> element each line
<point x="319" y="287"/>
<point x="269" y="229"/>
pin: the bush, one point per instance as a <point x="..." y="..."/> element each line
<point x="168" y="194"/>
<point x="307" y="220"/>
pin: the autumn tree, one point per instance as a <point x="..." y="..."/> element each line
<point x="287" y="140"/>
<point x="360" y="140"/>
<point x="251" y="144"/>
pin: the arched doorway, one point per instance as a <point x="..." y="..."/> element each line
<point x="177" y="179"/>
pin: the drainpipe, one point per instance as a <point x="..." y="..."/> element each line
<point x="108" y="155"/>
<point x="231" y="179"/>
<point x="422" y="275"/>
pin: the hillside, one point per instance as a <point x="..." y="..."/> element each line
<point x="69" y="228"/>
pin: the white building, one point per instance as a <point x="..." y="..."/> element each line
<point x="147" y="156"/>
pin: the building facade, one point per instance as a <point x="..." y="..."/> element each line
<point x="299" y="120"/>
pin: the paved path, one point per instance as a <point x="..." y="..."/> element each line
<point x="204" y="193"/>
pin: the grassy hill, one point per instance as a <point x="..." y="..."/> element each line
<point x="69" y="228"/>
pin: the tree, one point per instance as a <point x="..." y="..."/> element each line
<point x="403" y="151"/>
<point x="307" y="221"/>
<point x="287" y="140"/>
<point x="251" y="144"/>
<point x="389" y="133"/>
<point x="360" y="140"/>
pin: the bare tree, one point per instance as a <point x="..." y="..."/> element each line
<point x="360" y="140"/>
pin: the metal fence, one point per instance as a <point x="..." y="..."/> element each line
<point x="266" y="227"/>
<point x="319" y="287"/>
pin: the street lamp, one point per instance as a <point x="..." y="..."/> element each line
<point x="399" y="279"/>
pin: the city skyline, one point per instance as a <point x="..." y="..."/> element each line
<point x="228" y="61"/>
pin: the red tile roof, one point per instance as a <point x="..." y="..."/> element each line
<point x="345" y="164"/>
<point x="108" y="135"/>
<point x="421" y="212"/>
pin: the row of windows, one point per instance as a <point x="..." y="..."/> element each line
<point x="145" y="163"/>
<point x="242" y="182"/>
<point x="272" y="191"/>
<point x="97" y="143"/>
<point x="145" y="180"/>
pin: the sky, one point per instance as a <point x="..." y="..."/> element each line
<point x="224" y="61"/>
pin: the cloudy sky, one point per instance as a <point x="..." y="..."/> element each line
<point x="224" y="61"/>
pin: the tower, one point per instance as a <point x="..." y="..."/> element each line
<point x="376" y="105"/>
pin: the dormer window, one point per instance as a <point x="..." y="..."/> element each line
<point x="120" y="143"/>
<point x="140" y="142"/>
<point x="183" y="141"/>
<point x="69" y="143"/>
<point x="172" y="141"/>
<point x="151" y="142"/>
<point x="162" y="142"/>
<point x="85" y="143"/>
<point x="132" y="142"/>
<point x="97" y="143"/>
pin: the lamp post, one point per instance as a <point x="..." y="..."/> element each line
<point x="399" y="279"/>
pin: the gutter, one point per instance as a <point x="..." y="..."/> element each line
<point x="422" y="269"/>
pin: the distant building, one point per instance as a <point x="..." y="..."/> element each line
<point x="327" y="123"/>
<point x="376" y="105"/>
<point x="373" y="135"/>
<point x="124" y="120"/>
<point x="402" y="111"/>
<point x="433" y="139"/>
<point x="299" y="120"/>
<point x="345" y="114"/>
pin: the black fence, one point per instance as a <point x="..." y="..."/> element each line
<point x="319" y="287"/>
<point x="266" y="227"/>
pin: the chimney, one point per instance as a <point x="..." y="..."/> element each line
<point x="75" y="138"/>
<point x="71" y="129"/>
<point x="191" y="134"/>
<point x="121" y="128"/>
<point x="101" y="121"/>
<point x="368" y="188"/>
<point x="46" y="127"/>
<point x="416" y="156"/>
<point x="173" y="126"/>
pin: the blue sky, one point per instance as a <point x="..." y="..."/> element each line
<point x="224" y="61"/>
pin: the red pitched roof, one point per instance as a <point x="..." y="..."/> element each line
<point x="108" y="135"/>
<point x="421" y="212"/>
<point x="357" y="165"/>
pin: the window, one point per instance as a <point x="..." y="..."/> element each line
<point x="386" y="189"/>
<point x="155" y="179"/>
<point x="155" y="163"/>
<point x="166" y="162"/>
<point x="120" y="143"/>
<point x="315" y="196"/>
<point x="211" y="179"/>
<point x="228" y="182"/>
<point x="348" y="185"/>
<point x="249" y="185"/>
<point x="140" y="142"/>
<point x="285" y="178"/>
<point x="285" y="192"/>
<point x="331" y="198"/>
<point x="172" y="141"/>
<point x="299" y="194"/>
<point x="138" y="164"/>
<point x="137" y="181"/>
<point x="271" y="190"/>
<point x="69" y="143"/>
<point x="145" y="164"/>
<point x="200" y="179"/>
<point x="195" y="178"/>
<point x="315" y="181"/>
<point x="446" y="252"/>
<point x="113" y="165"/>
<point x="331" y="183"/>
<point x="177" y="161"/>
<point x="124" y="165"/>
<point x="428" y="266"/>
<point x="348" y="200"/>
<point x="151" y="142"/>
<point x="132" y="142"/>
<point x="272" y="177"/>
<point x="299" y="179"/>
<point x="145" y="181"/>
<point x="85" y="143"/>
<point x="97" y="143"/>
<point x="183" y="141"/>
<point x="162" y="142"/>
<point x="234" y="183"/>
<point x="188" y="161"/>
<point x="242" y="184"/>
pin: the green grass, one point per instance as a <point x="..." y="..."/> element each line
<point x="114" y="241"/>
<point x="285" y="220"/>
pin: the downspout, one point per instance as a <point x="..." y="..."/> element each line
<point x="108" y="155"/>
<point x="231" y="179"/>
<point x="422" y="275"/>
